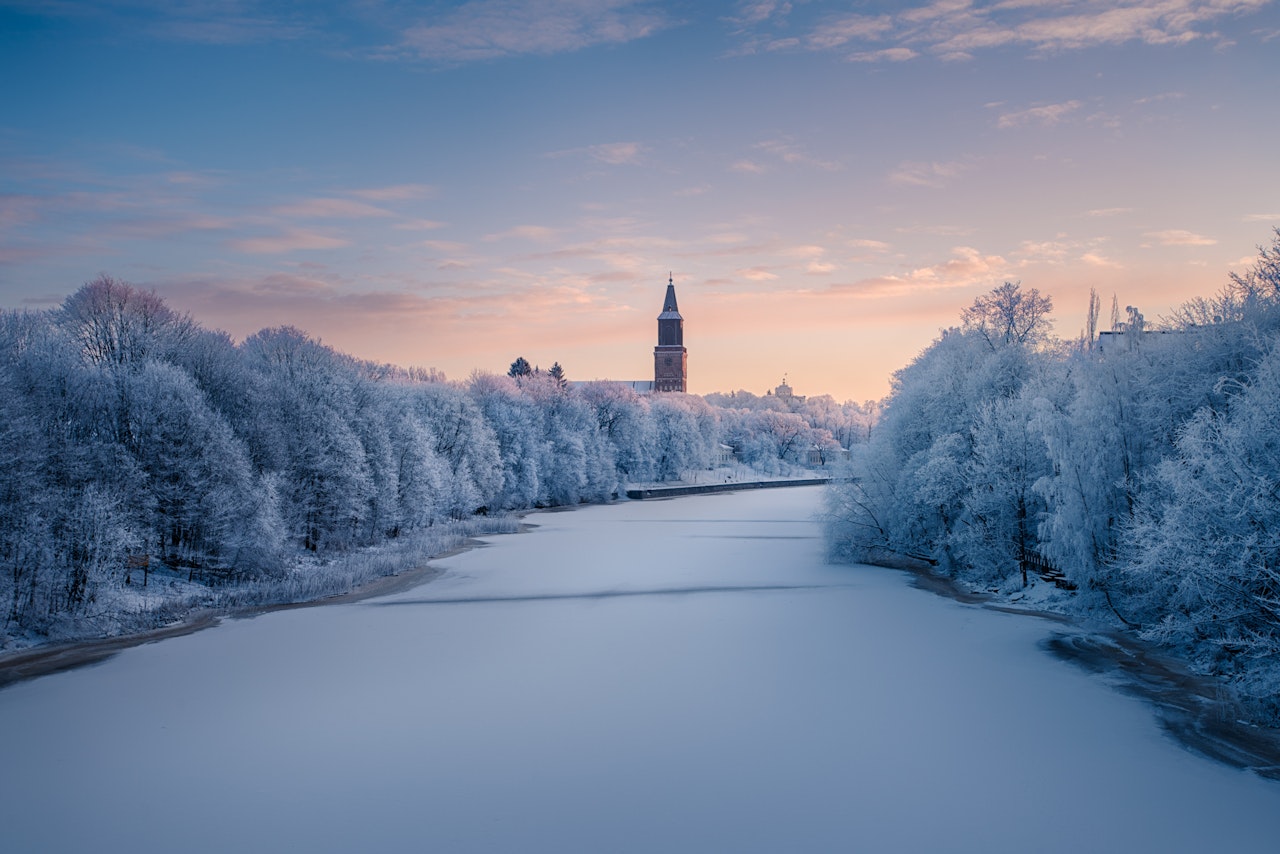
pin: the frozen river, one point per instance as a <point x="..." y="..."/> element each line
<point x="665" y="676"/>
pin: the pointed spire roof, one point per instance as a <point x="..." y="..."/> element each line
<point x="670" y="311"/>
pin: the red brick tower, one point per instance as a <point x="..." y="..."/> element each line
<point x="670" y="358"/>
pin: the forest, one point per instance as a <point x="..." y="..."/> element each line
<point x="1141" y="461"/>
<point x="149" y="466"/>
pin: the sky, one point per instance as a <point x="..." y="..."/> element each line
<point x="453" y="185"/>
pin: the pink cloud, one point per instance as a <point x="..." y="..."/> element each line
<point x="396" y="192"/>
<point x="328" y="208"/>
<point x="292" y="240"/>
<point x="1180" y="237"/>
<point x="420" y="225"/>
<point x="969" y="267"/>
<point x="539" y="233"/>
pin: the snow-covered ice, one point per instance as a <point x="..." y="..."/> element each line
<point x="684" y="675"/>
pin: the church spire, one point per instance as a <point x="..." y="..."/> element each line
<point x="669" y="306"/>
<point x="670" y="359"/>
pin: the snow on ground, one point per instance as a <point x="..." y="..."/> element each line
<point x="676" y="675"/>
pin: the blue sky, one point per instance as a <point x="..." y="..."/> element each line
<point x="456" y="184"/>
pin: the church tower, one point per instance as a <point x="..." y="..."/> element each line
<point x="670" y="358"/>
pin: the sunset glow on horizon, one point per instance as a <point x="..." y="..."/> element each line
<point x="453" y="185"/>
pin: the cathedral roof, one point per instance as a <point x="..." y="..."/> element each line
<point x="670" y="311"/>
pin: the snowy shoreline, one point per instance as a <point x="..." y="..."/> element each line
<point x="46" y="659"/>
<point x="1191" y="708"/>
<point x="56" y="656"/>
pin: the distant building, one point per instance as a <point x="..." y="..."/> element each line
<point x="1128" y="334"/>
<point x="670" y="358"/>
<point x="1122" y="339"/>
<point x="786" y="394"/>
<point x="820" y="456"/>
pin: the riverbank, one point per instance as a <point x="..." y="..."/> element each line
<point x="44" y="660"/>
<point x="1195" y="710"/>
<point x="664" y="491"/>
<point x="360" y="577"/>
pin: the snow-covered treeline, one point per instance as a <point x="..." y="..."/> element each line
<point x="134" y="441"/>
<point x="1143" y="463"/>
<point x="772" y="433"/>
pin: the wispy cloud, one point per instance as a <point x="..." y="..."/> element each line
<point x="613" y="153"/>
<point x="756" y="274"/>
<point x="489" y="29"/>
<point x="224" y="29"/>
<point x="420" y="225"/>
<point x="960" y="29"/>
<point x="329" y="208"/>
<point x="889" y="54"/>
<point x="1156" y="99"/>
<point x="395" y="192"/>
<point x="291" y="240"/>
<point x="450" y="246"/>
<point x="1272" y="217"/>
<point x="1064" y="250"/>
<point x="1093" y="259"/>
<point x="1110" y="211"/>
<point x="1045" y="115"/>
<point x="967" y="267"/>
<point x="1179" y="237"/>
<point x="617" y="152"/>
<point x="757" y="11"/>
<point x="1044" y="251"/>
<point x="937" y="230"/>
<point x="213" y="23"/>
<point x="539" y="233"/>
<point x="932" y="174"/>
<point x="854" y="28"/>
<point x="790" y="152"/>
<point x="874" y="245"/>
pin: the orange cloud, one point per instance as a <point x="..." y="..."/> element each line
<point x="967" y="268"/>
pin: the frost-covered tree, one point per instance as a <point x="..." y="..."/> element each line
<point x="1010" y="315"/>
<point x="623" y="419"/>
<point x="924" y="485"/>
<point x="1200" y="563"/>
<point x="306" y="433"/>
<point x="517" y="424"/>
<point x="116" y="324"/>
<point x="465" y="443"/>
<point x="200" y="487"/>
<point x="680" y="443"/>
<point x="1002" y="508"/>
